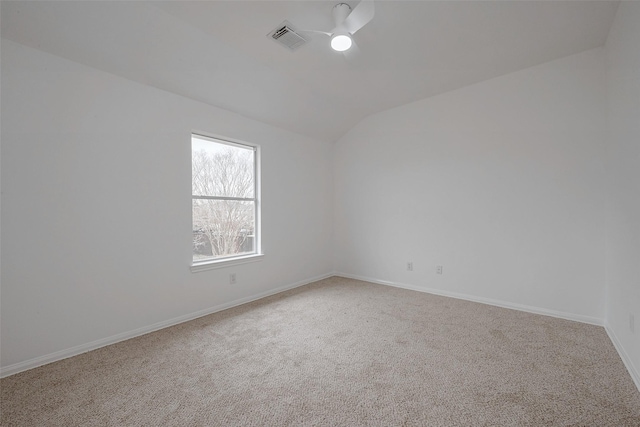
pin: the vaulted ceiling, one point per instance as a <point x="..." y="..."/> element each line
<point x="218" y="52"/>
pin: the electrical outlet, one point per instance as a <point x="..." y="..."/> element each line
<point x="409" y="266"/>
<point x="632" y="325"/>
<point x="438" y="269"/>
<point x="232" y="279"/>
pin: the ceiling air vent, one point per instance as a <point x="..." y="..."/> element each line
<point x="286" y="36"/>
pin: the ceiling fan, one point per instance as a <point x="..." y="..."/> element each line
<point x="347" y="23"/>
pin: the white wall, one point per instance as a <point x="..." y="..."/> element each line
<point x="501" y="182"/>
<point x="96" y="206"/>
<point x="623" y="184"/>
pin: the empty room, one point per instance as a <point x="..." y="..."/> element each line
<point x="320" y="213"/>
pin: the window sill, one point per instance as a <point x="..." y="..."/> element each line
<point x="197" y="267"/>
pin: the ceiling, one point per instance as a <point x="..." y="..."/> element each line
<point x="218" y="52"/>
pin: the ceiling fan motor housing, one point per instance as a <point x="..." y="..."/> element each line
<point x="340" y="13"/>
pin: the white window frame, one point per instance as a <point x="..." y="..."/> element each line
<point x="257" y="255"/>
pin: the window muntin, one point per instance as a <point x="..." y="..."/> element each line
<point x="224" y="202"/>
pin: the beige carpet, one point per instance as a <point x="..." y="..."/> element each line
<point x="339" y="352"/>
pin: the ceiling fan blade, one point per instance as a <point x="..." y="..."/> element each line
<point x="353" y="53"/>
<point x="361" y="15"/>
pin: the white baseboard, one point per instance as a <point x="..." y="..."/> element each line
<point x="489" y="301"/>
<point x="83" y="348"/>
<point x="633" y="371"/>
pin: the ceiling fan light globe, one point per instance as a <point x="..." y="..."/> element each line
<point x="341" y="42"/>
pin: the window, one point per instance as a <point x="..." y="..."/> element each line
<point x="224" y="177"/>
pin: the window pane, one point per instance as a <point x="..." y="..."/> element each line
<point x="223" y="228"/>
<point x="221" y="170"/>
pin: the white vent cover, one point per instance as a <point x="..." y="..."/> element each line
<point x="286" y="36"/>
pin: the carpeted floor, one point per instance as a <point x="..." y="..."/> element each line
<point x="339" y="352"/>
